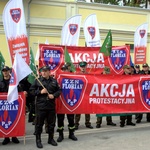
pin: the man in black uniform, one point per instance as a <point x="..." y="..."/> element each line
<point x="145" y="70"/>
<point x="70" y="117"/>
<point x="137" y="69"/>
<point x="47" y="90"/>
<point x="4" y="85"/>
<point x="82" y="66"/>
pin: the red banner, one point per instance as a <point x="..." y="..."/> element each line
<point x="19" y="45"/>
<point x="12" y="116"/>
<point x="139" y="55"/>
<point x="103" y="94"/>
<point x="53" y="56"/>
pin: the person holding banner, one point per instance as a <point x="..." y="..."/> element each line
<point x="47" y="89"/>
<point x="70" y="117"/>
<point x="4" y="85"/>
<point x="82" y="66"/>
<point x="146" y="71"/>
<point x="68" y="65"/>
<point x="106" y="70"/>
<point x="137" y="69"/>
<point x="126" y="117"/>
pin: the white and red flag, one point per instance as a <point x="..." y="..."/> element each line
<point x="91" y="31"/>
<point x="71" y="31"/>
<point x="140" y="44"/>
<point x="20" y="70"/>
<point x="15" y="29"/>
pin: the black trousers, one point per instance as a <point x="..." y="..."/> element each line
<point x="127" y="118"/>
<point x="60" y="120"/>
<point x="41" y="115"/>
<point x="140" y="116"/>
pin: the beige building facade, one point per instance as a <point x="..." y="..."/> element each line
<point x="45" y="18"/>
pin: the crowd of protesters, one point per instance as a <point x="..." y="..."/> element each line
<point x="40" y="103"/>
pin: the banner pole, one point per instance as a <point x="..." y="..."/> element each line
<point x="39" y="81"/>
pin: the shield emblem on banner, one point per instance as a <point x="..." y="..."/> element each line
<point x="51" y="56"/>
<point x="118" y="59"/>
<point x="9" y="114"/>
<point x="92" y="31"/>
<point x="73" y="89"/>
<point x="15" y="14"/>
<point x="142" y="33"/>
<point x="73" y="28"/>
<point x="144" y="90"/>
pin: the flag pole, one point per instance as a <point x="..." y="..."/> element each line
<point x="106" y="46"/>
<point x="39" y="81"/>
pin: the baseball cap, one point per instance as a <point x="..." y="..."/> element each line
<point x="137" y="66"/>
<point x="82" y="64"/>
<point x="64" y="67"/>
<point x="6" y="68"/>
<point x="68" y="64"/>
<point x="145" y="65"/>
<point x="44" y="68"/>
<point x="126" y="67"/>
<point x="107" y="69"/>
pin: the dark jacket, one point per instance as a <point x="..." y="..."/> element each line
<point x="43" y="102"/>
<point x="4" y="85"/>
<point x="143" y="72"/>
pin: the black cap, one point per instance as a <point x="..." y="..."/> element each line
<point x="64" y="67"/>
<point x="107" y="69"/>
<point x="82" y="64"/>
<point x="6" y="68"/>
<point x="126" y="66"/>
<point x="137" y="66"/>
<point x="145" y="65"/>
<point x="68" y="64"/>
<point x="45" y="68"/>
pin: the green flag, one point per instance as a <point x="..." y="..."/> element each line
<point x="68" y="60"/>
<point x="32" y="65"/>
<point x="107" y="45"/>
<point x="2" y="64"/>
